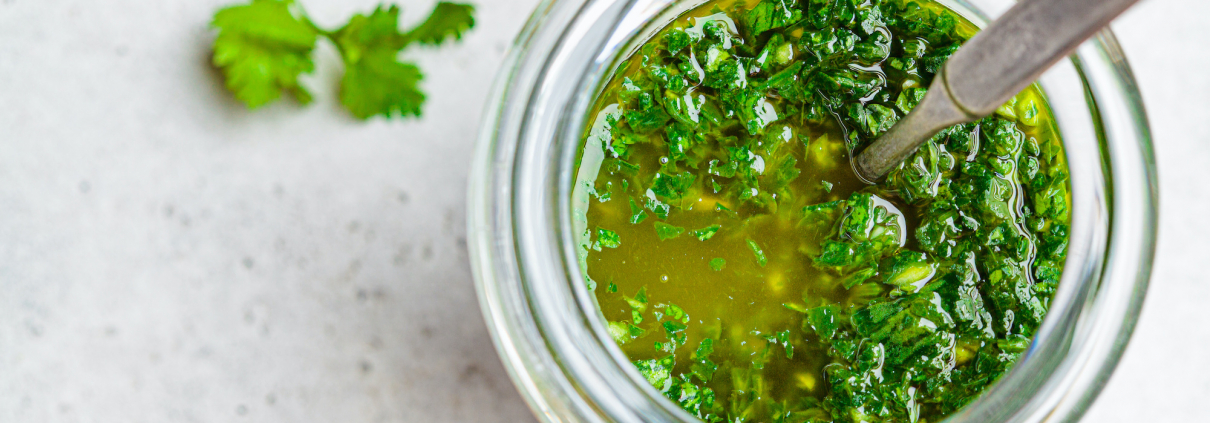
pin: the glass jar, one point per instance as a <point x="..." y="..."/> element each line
<point x="544" y="319"/>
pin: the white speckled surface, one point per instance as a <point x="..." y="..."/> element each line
<point x="1164" y="375"/>
<point x="167" y="256"/>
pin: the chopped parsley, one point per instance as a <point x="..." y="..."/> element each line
<point x="608" y="239"/>
<point x="705" y="233"/>
<point x="666" y="231"/>
<point x="760" y="254"/>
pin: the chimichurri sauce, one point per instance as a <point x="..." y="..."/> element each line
<point x="746" y="271"/>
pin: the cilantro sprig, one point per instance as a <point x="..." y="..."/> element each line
<point x="263" y="46"/>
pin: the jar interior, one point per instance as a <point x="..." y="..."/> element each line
<point x="544" y="319"/>
<point x="1019" y="393"/>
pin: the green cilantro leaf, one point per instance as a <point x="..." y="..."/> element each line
<point x="380" y="85"/>
<point x="718" y="263"/>
<point x="262" y="47"/>
<point x="448" y="20"/>
<point x="375" y="82"/>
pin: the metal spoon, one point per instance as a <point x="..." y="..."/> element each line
<point x="990" y="69"/>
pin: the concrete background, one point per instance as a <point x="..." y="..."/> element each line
<point x="168" y="256"/>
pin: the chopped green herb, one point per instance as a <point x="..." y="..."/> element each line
<point x="639" y="302"/>
<point x="782" y="338"/>
<point x="623" y="332"/>
<point x="705" y="233"/>
<point x="608" y="239"/>
<point x="637" y="214"/>
<point x="760" y="254"/>
<point x="666" y="231"/>
<point x="717" y="264"/>
<point x="657" y="371"/>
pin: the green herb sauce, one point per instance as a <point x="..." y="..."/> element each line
<point x="746" y="271"/>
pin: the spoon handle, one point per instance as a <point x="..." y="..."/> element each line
<point x="1003" y="59"/>
<point x="988" y="70"/>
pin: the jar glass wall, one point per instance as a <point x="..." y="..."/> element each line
<point x="544" y="319"/>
